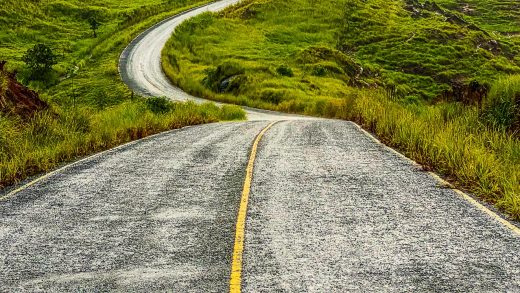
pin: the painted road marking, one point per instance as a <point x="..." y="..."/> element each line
<point x="235" y="280"/>
<point x="468" y="198"/>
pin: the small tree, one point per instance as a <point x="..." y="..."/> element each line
<point x="94" y="25"/>
<point x="40" y="60"/>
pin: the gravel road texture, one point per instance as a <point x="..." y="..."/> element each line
<point x="330" y="210"/>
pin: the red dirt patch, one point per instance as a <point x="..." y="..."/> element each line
<point x="16" y="98"/>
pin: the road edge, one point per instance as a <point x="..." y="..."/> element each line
<point x="493" y="213"/>
<point x="123" y="57"/>
<point x="9" y="193"/>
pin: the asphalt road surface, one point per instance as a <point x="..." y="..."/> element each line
<point x="329" y="210"/>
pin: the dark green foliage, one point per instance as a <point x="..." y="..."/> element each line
<point x="319" y="70"/>
<point x="40" y="60"/>
<point x="227" y="77"/>
<point x="502" y="106"/>
<point x="158" y="105"/>
<point x="273" y="96"/>
<point x="285" y="70"/>
<point x="94" y="25"/>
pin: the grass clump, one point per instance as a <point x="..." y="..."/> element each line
<point x="48" y="139"/>
<point x="159" y="105"/>
<point x="284" y="70"/>
<point x="502" y="106"/>
<point x="227" y="77"/>
<point x="414" y="72"/>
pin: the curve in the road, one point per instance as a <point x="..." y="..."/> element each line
<point x="140" y="68"/>
<point x="329" y="210"/>
<point x="140" y="63"/>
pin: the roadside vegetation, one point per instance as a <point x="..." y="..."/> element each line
<point x="440" y="81"/>
<point x="68" y="51"/>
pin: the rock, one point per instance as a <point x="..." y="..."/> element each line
<point x="232" y="83"/>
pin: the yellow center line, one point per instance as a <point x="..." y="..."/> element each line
<point x="235" y="280"/>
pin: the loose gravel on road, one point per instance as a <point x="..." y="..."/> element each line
<point x="329" y="211"/>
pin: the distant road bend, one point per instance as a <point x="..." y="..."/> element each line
<point x="276" y="204"/>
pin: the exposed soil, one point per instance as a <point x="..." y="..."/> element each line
<point x="469" y="94"/>
<point x="16" y="98"/>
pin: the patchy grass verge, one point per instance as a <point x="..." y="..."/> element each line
<point x="49" y="139"/>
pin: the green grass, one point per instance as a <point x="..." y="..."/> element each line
<point x="498" y="16"/>
<point x="502" y="107"/>
<point x="46" y="141"/>
<point x="450" y="139"/>
<point x="94" y="110"/>
<point x="372" y="62"/>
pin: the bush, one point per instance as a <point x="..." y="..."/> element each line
<point x="502" y="106"/>
<point x="226" y="77"/>
<point x="231" y="112"/>
<point x="319" y="70"/>
<point x="158" y="105"/>
<point x="285" y="70"/>
<point x="273" y="96"/>
<point x="40" y="59"/>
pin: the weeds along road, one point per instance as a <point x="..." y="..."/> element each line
<point x="307" y="206"/>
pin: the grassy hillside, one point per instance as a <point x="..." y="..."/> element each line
<point x="495" y="16"/>
<point x="428" y="79"/>
<point x="90" y="108"/>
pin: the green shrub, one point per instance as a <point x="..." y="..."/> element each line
<point x="319" y="70"/>
<point x="285" y="70"/>
<point x="231" y="112"/>
<point x="273" y="96"/>
<point x="158" y="105"/>
<point x="502" y="106"/>
<point x="226" y="77"/>
<point x="40" y="59"/>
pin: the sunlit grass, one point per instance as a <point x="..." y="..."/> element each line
<point x="94" y="110"/>
<point x="482" y="160"/>
<point x="46" y="141"/>
<point x="455" y="140"/>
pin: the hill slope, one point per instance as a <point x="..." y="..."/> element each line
<point x="431" y="81"/>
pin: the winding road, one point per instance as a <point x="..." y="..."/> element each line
<point x="280" y="203"/>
